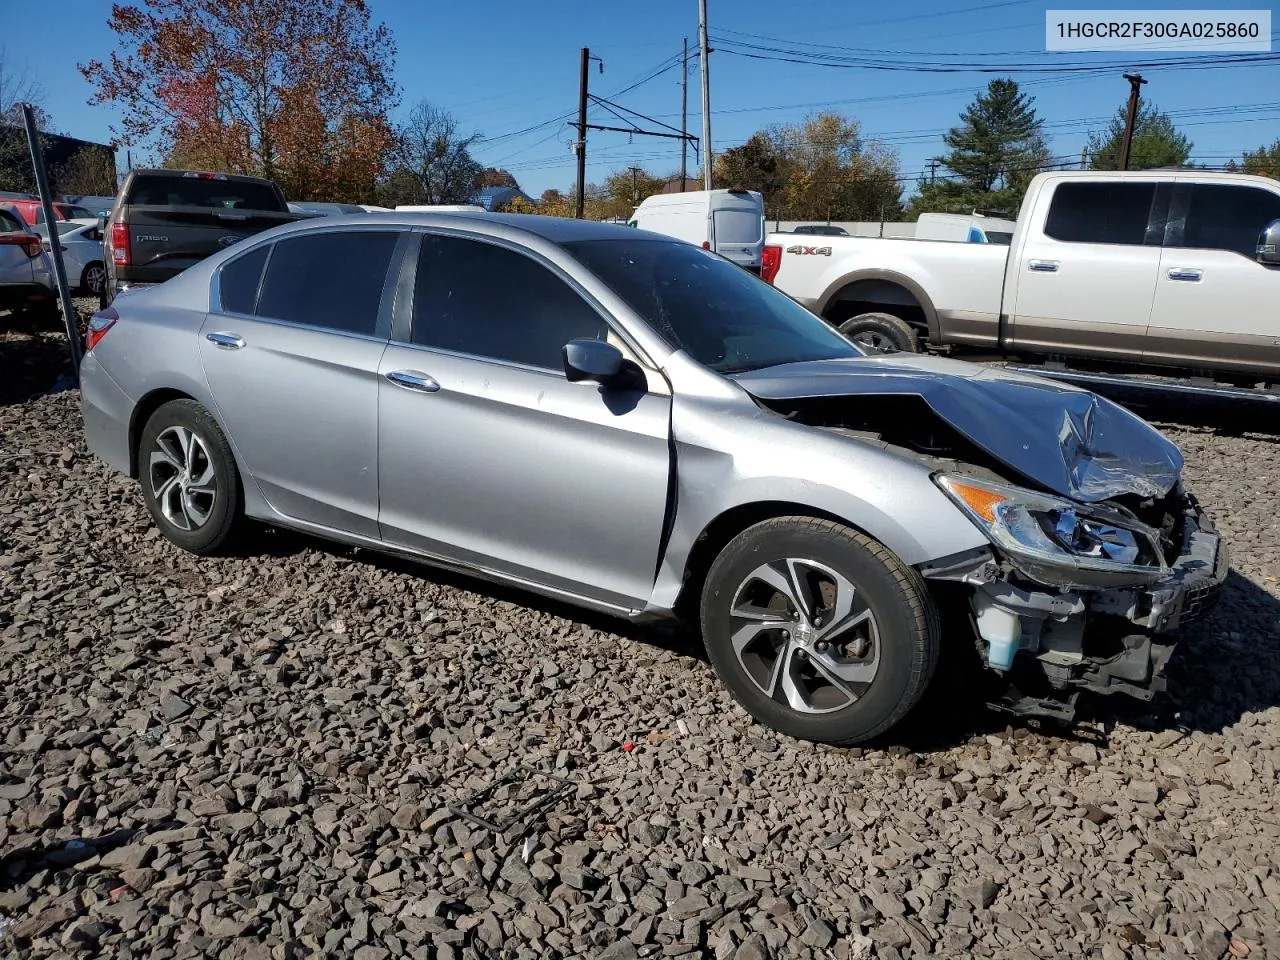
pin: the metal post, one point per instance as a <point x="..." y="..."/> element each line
<point x="706" y="94"/>
<point x="55" y="248"/>
<point x="684" y="114"/>
<point x="1135" y="81"/>
<point x="582" y="133"/>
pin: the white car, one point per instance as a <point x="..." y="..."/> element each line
<point x="81" y="242"/>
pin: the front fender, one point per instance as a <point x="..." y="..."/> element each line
<point x="729" y="456"/>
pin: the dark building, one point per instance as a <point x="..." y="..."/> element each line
<point x="75" y="166"/>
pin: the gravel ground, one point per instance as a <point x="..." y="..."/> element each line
<point x="252" y="756"/>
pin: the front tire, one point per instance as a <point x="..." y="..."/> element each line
<point x="881" y="333"/>
<point x="189" y="478"/>
<point x="819" y="631"/>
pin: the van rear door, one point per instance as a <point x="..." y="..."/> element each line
<point x="737" y="227"/>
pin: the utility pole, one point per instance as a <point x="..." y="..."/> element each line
<point x="706" y="94"/>
<point x="933" y="168"/>
<point x="1135" y="81"/>
<point x="581" y="145"/>
<point x="635" y="186"/>
<point x="1084" y="156"/>
<point x="684" y="114"/>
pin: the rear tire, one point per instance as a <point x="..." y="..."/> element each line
<point x="850" y="664"/>
<point x="189" y="478"/>
<point x="881" y="333"/>
<point x="94" y="279"/>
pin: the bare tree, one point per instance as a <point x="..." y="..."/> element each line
<point x="433" y="158"/>
<point x="18" y="85"/>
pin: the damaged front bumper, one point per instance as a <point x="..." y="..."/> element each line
<point x="1115" y="640"/>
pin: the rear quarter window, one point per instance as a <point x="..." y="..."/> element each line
<point x="239" y="280"/>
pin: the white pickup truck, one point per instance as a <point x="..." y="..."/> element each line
<point x="1158" y="268"/>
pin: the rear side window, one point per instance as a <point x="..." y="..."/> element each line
<point x="1100" y="212"/>
<point x="1226" y="217"/>
<point x="488" y="301"/>
<point x="10" y="224"/>
<point x="240" y="279"/>
<point x="193" y="192"/>
<point x="331" y="280"/>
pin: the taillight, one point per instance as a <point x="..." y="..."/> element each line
<point x="770" y="261"/>
<point x="29" y="242"/>
<point x="99" y="324"/>
<point x="49" y="247"/>
<point x="706" y="244"/>
<point x="121" y="251"/>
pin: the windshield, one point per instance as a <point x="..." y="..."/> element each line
<point x="724" y="317"/>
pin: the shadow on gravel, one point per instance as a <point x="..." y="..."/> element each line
<point x="31" y="362"/>
<point x="1227" y="418"/>
<point x="675" y="638"/>
<point x="19" y="866"/>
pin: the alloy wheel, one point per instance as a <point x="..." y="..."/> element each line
<point x="804" y="636"/>
<point x="876" y="341"/>
<point x="94" y="277"/>
<point x="182" y="477"/>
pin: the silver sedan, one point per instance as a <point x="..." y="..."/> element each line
<point x="635" y="425"/>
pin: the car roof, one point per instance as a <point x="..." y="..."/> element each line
<point x="557" y="230"/>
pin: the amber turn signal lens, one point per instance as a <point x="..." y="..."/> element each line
<point x="981" y="501"/>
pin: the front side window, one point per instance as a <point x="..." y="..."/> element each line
<point x="488" y="301"/>
<point x="1100" y="212"/>
<point x="724" y="317"/>
<point x="331" y="280"/>
<point x="1228" y="217"/>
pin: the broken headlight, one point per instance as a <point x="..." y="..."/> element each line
<point x="1057" y="541"/>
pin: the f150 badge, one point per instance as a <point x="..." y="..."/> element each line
<point x="810" y="251"/>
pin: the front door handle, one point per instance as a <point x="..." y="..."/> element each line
<point x="1182" y="273"/>
<point x="227" y="341"/>
<point x="1043" y="266"/>
<point x="413" y="380"/>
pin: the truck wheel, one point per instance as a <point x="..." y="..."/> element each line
<point x="819" y="631"/>
<point x="881" y="333"/>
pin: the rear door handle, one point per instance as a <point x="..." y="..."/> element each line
<point x="1182" y="273"/>
<point x="413" y="380"/>
<point x="1043" y="266"/>
<point x="227" y="341"/>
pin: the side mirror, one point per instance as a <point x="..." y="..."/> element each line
<point x="1269" y="244"/>
<point x="592" y="360"/>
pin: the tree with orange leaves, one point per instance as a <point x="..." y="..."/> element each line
<point x="298" y="91"/>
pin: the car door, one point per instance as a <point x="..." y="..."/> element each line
<point x="291" y="352"/>
<point x="1084" y="279"/>
<point x="489" y="456"/>
<point x="1215" y="304"/>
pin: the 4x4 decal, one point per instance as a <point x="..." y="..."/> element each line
<point x="810" y="251"/>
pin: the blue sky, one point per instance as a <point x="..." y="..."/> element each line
<point x="502" y="68"/>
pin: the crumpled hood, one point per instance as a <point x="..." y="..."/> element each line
<point x="1068" y="440"/>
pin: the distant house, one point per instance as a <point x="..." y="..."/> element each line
<point x="673" y="185"/>
<point x="495" y="198"/>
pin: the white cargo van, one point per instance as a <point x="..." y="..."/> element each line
<point x="730" y="222"/>
<point x="964" y="228"/>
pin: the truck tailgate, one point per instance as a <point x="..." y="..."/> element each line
<point x="165" y="240"/>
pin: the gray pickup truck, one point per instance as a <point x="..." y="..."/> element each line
<point x="163" y="221"/>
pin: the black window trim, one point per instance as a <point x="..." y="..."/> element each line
<point x="406" y="327"/>
<point x="382" y="328"/>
